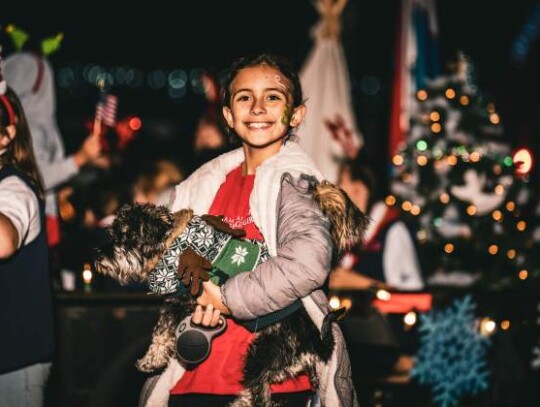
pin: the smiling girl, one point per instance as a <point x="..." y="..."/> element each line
<point x="266" y="187"/>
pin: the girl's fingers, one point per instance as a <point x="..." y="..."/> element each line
<point x="207" y="317"/>
<point x="197" y="316"/>
<point x="208" y="314"/>
<point x="215" y="317"/>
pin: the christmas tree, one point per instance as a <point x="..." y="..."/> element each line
<point x="463" y="190"/>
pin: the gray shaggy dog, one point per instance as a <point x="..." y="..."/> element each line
<point x="141" y="236"/>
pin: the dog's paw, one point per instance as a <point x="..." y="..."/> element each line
<point x="149" y="363"/>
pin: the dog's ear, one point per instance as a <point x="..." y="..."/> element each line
<point x="142" y="227"/>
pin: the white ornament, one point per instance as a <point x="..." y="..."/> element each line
<point x="473" y="192"/>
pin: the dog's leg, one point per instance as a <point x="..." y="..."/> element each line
<point x="269" y="360"/>
<point x="162" y="346"/>
<point x="280" y="352"/>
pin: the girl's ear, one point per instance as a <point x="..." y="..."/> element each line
<point x="298" y="116"/>
<point x="5" y="139"/>
<point x="228" y="116"/>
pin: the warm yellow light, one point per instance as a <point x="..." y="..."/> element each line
<point x="510" y="206"/>
<point x="421" y="235"/>
<point x="436" y="128"/>
<point x="435" y="116"/>
<point x="496" y="215"/>
<point x="383" y="295"/>
<point x="406" y="177"/>
<point x="450" y="93"/>
<point x="505" y="324"/>
<point x="406" y="206"/>
<point x="490" y="107"/>
<point x="499" y="189"/>
<point x="487" y="326"/>
<point x="444" y="198"/>
<point x="493" y="249"/>
<point x="422" y="160"/>
<point x="523" y="274"/>
<point x="415" y="210"/>
<point x="451" y="160"/>
<point x="334" y="302"/>
<point x="410" y="318"/>
<point x="464" y="100"/>
<point x="421" y="95"/>
<point x="511" y="254"/>
<point x="390" y="200"/>
<point x="521" y="225"/>
<point x="87" y="276"/>
<point x="471" y="210"/>
<point x="475" y="156"/>
<point x="448" y="248"/>
<point x="494" y="118"/>
<point x="397" y="159"/>
<point x="497" y="169"/>
<point x="347" y="303"/>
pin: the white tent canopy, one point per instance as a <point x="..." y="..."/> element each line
<point x="329" y="131"/>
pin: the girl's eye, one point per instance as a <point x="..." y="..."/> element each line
<point x="242" y="98"/>
<point x="274" y="97"/>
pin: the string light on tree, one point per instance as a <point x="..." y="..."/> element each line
<point x="458" y="169"/>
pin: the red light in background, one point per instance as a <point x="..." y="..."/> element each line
<point x="523" y="161"/>
<point x="135" y="123"/>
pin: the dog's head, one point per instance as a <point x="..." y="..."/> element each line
<point x="137" y="236"/>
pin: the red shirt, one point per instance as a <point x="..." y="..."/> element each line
<point x="221" y="372"/>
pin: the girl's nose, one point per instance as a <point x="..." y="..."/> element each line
<point x="258" y="107"/>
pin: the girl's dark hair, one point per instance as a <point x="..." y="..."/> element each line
<point x="277" y="62"/>
<point x="20" y="152"/>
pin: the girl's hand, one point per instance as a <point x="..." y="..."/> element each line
<point x="211" y="295"/>
<point x="209" y="317"/>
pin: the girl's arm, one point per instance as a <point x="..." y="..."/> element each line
<point x="19" y="215"/>
<point x="302" y="263"/>
<point x="9" y="237"/>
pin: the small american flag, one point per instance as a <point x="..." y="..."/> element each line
<point x="106" y="109"/>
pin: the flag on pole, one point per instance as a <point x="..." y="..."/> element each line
<point x="416" y="60"/>
<point x="329" y="133"/>
<point x="106" y="109"/>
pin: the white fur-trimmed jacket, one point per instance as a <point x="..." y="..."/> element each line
<point x="298" y="238"/>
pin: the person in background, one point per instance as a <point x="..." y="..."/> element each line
<point x="154" y="178"/>
<point x="26" y="316"/>
<point x="388" y="257"/>
<point x="31" y="76"/>
<point x="209" y="139"/>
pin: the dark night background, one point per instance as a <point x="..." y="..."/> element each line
<point x="209" y="35"/>
<point x="158" y="35"/>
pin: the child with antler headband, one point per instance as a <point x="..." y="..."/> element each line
<point x="31" y="77"/>
<point x="26" y="320"/>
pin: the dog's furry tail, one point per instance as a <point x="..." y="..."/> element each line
<point x="347" y="222"/>
<point x="327" y="335"/>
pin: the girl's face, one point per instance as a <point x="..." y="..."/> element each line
<point x="261" y="108"/>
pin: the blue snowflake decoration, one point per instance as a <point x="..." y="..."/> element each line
<point x="452" y="355"/>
